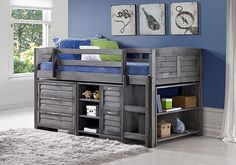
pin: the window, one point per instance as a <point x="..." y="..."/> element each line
<point x="30" y="29"/>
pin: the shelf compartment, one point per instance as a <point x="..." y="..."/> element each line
<point x="134" y="136"/>
<point x="89" y="100"/>
<point x="89" y="133"/>
<point x="174" y="136"/>
<point x="177" y="111"/>
<point x="89" y="117"/>
<point x="177" y="85"/>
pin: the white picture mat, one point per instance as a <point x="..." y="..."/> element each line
<point x="191" y="7"/>
<point x="158" y="11"/>
<point x="117" y="24"/>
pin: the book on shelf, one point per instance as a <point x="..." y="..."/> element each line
<point x="172" y="109"/>
<point x="91" y="130"/>
<point x="158" y="104"/>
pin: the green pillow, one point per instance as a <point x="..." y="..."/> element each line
<point x="107" y="44"/>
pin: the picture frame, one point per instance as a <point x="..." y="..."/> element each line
<point x="185" y="18"/>
<point x="152" y="19"/>
<point x="123" y="20"/>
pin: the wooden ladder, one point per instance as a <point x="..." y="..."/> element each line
<point x="140" y="110"/>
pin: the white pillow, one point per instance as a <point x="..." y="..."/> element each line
<point x="90" y="57"/>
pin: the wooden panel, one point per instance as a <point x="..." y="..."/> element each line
<point x="111" y="129"/>
<point x="111" y="108"/>
<point x="56" y="102"/>
<point x="112" y="104"/>
<point x="166" y="69"/>
<point x="111" y="123"/>
<point x="51" y="108"/>
<point x="56" y="120"/>
<point x="178" y="51"/>
<point x="66" y="108"/>
<point x="112" y="93"/>
<point x="177" y="80"/>
<point x="57" y="124"/>
<point x="112" y="118"/>
<point x="56" y="87"/>
<point x="192" y="68"/>
<point x="56" y="94"/>
<point x="56" y="117"/>
<point x="91" y="51"/>
<point x="90" y="63"/>
<point x="166" y="75"/>
<point x="165" y="64"/>
<point x="110" y="133"/>
<point x="113" y="99"/>
<point x="134" y="136"/>
<point x="165" y="59"/>
<point x="188" y="63"/>
<point x="134" y="109"/>
<point x="139" y="50"/>
<point x="111" y="88"/>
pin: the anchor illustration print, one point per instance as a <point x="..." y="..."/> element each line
<point x="123" y="20"/>
<point x="184" y="18"/>
<point x="152" y="19"/>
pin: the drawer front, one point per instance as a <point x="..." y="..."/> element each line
<point x="111" y="109"/>
<point x="46" y="107"/>
<point x="54" y="89"/>
<point x="56" y="120"/>
<point x="56" y="104"/>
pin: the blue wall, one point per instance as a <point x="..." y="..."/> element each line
<point x="90" y="17"/>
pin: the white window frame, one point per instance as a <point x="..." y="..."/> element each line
<point x="45" y="22"/>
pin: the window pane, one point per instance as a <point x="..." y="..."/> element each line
<point x="26" y="38"/>
<point x="27" y="14"/>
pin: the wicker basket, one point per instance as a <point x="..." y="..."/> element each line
<point x="185" y="101"/>
<point x="163" y="129"/>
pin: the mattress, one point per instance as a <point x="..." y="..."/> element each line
<point x="133" y="68"/>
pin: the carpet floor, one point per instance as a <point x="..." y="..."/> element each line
<point x="32" y="146"/>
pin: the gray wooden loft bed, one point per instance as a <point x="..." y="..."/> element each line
<point x="127" y="108"/>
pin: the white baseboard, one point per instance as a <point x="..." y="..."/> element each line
<point x="212" y="121"/>
<point x="16" y="106"/>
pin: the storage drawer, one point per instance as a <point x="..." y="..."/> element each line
<point x="56" y="104"/>
<point x="55" y="108"/>
<point x="54" y="89"/>
<point x="56" y="120"/>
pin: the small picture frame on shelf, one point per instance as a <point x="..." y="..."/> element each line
<point x="92" y="110"/>
<point x="184" y="18"/>
<point x="123" y="20"/>
<point x="152" y="18"/>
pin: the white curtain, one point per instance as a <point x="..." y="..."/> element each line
<point x="228" y="132"/>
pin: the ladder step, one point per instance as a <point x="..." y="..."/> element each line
<point x="134" y="109"/>
<point x="134" y="136"/>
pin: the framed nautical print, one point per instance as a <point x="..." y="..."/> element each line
<point x="152" y="19"/>
<point x="184" y="18"/>
<point x="123" y="20"/>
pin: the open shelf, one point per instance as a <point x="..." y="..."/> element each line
<point x="89" y="117"/>
<point x="177" y="111"/>
<point x="174" y="136"/>
<point x="89" y="133"/>
<point x="89" y="100"/>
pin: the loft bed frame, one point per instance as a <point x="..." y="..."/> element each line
<point x="168" y="67"/>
